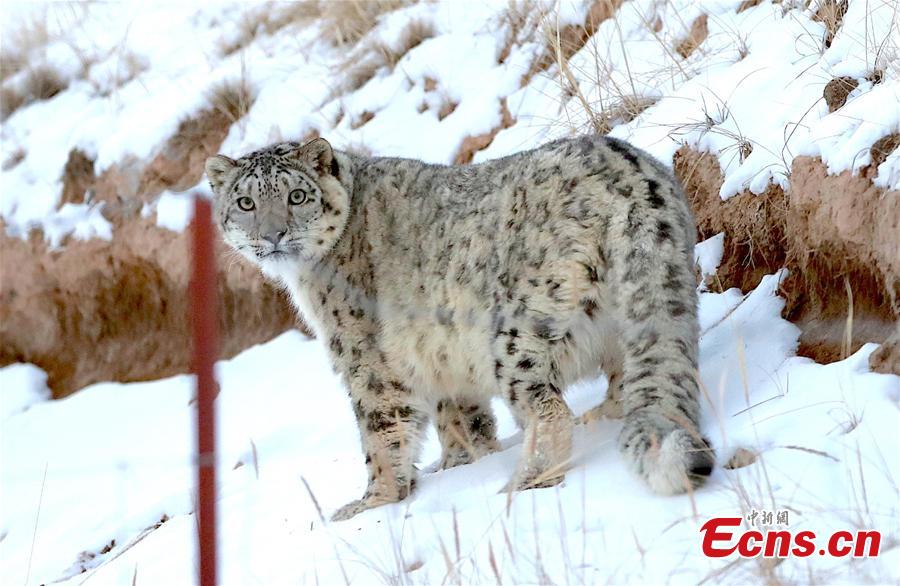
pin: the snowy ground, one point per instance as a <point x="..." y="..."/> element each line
<point x="87" y="480"/>
<point x="98" y="486"/>
<point x="751" y="93"/>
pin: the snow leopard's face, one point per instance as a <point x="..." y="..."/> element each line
<point x="281" y="204"/>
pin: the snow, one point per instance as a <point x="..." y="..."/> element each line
<point x="708" y="254"/>
<point x="21" y="386"/>
<point x="751" y="93"/>
<point x="117" y="461"/>
<point x="102" y="481"/>
<point x="174" y="210"/>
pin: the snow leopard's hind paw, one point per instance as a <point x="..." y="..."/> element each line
<point x="671" y="458"/>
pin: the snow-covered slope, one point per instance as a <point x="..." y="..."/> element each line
<point x="87" y="480"/>
<point x="751" y="92"/>
<point x="98" y="487"/>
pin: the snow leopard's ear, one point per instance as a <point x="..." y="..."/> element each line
<point x="319" y="155"/>
<point x="217" y="169"/>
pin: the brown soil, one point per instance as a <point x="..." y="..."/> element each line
<point x="747" y="4"/>
<point x="838" y="235"/>
<point x="837" y="90"/>
<point x="831" y="14"/>
<point x="447" y="108"/>
<point x="886" y="359"/>
<point x="571" y="38"/>
<point x="78" y="177"/>
<point x="116" y="310"/>
<point x="698" y="33"/>
<point x="179" y="165"/>
<point x="472" y="144"/>
<point x="883" y="147"/>
<point x="362" y="120"/>
<point x="127" y="185"/>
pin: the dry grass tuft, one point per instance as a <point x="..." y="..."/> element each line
<point x="346" y="22"/>
<point x="415" y="33"/>
<point x="563" y="42"/>
<point x="522" y="21"/>
<point x="359" y="72"/>
<point x="831" y="14"/>
<point x="269" y="19"/>
<point x="363" y="63"/>
<point x="40" y="83"/>
<point x="232" y="98"/>
<point x="18" y="44"/>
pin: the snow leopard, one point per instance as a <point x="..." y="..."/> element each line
<point x="436" y="288"/>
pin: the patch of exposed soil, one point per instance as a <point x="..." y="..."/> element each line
<point x="698" y="33"/>
<point x="116" y="310"/>
<point x="838" y="235"/>
<point x="571" y="38"/>
<point x="472" y="144"/>
<point x="177" y="166"/>
<point x="837" y="90"/>
<point x="78" y="177"/>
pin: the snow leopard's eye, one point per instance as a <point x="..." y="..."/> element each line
<point x="297" y="197"/>
<point x="246" y="203"/>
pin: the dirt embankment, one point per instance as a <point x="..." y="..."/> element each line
<point x="117" y="310"/>
<point x="838" y="235"/>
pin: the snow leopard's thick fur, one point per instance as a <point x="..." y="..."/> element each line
<point x="436" y="288"/>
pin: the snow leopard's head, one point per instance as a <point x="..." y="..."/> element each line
<point x="281" y="204"/>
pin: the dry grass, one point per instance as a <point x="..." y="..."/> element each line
<point x="232" y="98"/>
<point x="128" y="67"/>
<point x="620" y="105"/>
<point x="562" y="42"/>
<point x="40" y="83"/>
<point x="522" y="21"/>
<point x="269" y="19"/>
<point x="415" y="33"/>
<point x="831" y="14"/>
<point x="364" y="63"/>
<point x="346" y="22"/>
<point x="343" y="22"/>
<point x="30" y="36"/>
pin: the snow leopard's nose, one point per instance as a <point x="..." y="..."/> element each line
<point x="274" y="237"/>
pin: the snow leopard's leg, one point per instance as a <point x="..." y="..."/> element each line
<point x="656" y="297"/>
<point x="529" y="379"/>
<point x="467" y="430"/>
<point x="391" y="423"/>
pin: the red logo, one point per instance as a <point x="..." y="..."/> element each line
<point x="722" y="538"/>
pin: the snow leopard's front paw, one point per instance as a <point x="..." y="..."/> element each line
<point x="375" y="496"/>
<point x="356" y="507"/>
<point x="546" y="453"/>
<point x="671" y="458"/>
<point x="522" y="482"/>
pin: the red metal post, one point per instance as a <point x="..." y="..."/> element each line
<point x="204" y="321"/>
